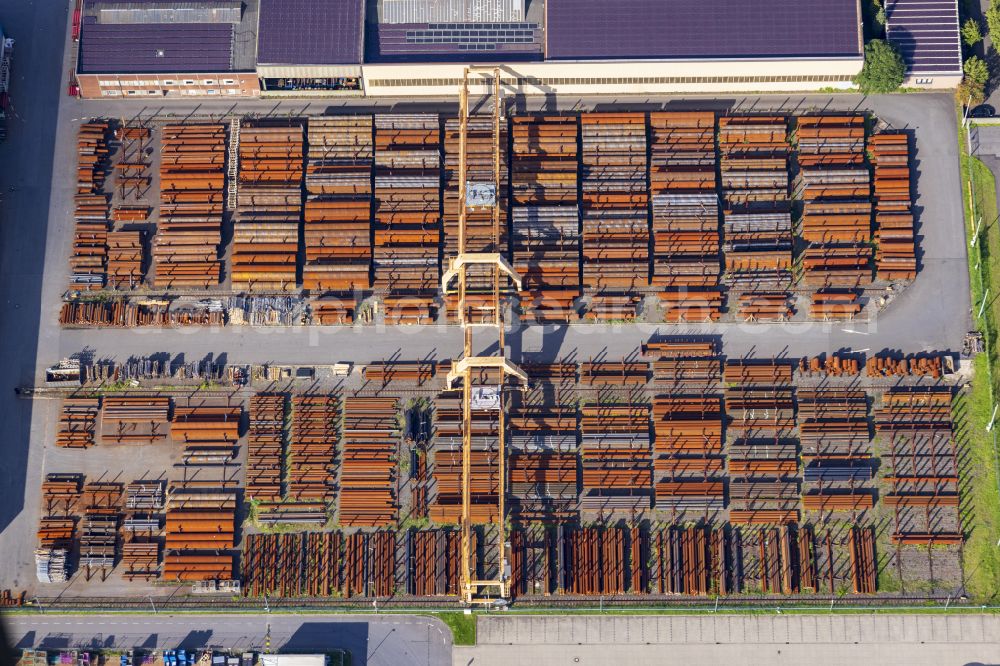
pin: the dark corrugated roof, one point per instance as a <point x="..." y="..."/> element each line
<point x="155" y="47"/>
<point x="926" y="34"/>
<point x="658" y="29"/>
<point x="310" y="32"/>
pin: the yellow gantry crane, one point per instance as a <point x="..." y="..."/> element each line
<point x="474" y="590"/>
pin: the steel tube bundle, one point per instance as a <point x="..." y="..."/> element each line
<point x="312" y="448"/>
<point x="266" y="233"/>
<point x="89" y="248"/>
<point x="265" y="447"/>
<point x="367" y="496"/>
<point x="189" y="229"/>
<point x="338" y="209"/>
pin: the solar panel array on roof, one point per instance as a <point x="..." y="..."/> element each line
<point x="926" y="34"/>
<point x="599" y="29"/>
<point x="155" y="47"/>
<point x="444" y="40"/>
<point x="310" y="32"/>
<point x="214" y="11"/>
<point x="451" y="11"/>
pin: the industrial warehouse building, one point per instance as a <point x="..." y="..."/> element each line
<point x="404" y="48"/>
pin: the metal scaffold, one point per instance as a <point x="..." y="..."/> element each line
<point x="475" y="590"/>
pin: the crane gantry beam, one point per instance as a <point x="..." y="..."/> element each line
<point x="473" y="589"/>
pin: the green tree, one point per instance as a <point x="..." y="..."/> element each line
<point x="972" y="34"/>
<point x="879" y="10"/>
<point x="993" y="19"/>
<point x="969" y="93"/>
<point x="883" y="70"/>
<point x="976" y="70"/>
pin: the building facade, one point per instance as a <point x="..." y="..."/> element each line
<point x="413" y="48"/>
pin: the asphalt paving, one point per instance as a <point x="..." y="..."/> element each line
<point x="389" y="640"/>
<point x="26" y="160"/>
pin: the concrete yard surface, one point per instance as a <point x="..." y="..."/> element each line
<point x="735" y="640"/>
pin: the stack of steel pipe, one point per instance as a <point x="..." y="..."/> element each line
<point x="434" y="558"/>
<point x="125" y="259"/>
<point x="55" y="532"/>
<point x="832" y="303"/>
<point x="144" y="495"/>
<point x="266" y="232"/>
<point x="134" y="419"/>
<point x="833" y="428"/>
<point x="189" y="230"/>
<point x="773" y="549"/>
<point x="546" y="225"/>
<point x="337" y="230"/>
<point x="532" y="554"/>
<point x="864" y="566"/>
<point x="407" y="207"/>
<point x="102" y="504"/>
<point x="272" y="513"/>
<point x="765" y="306"/>
<point x="685" y="206"/>
<point x="917" y="365"/>
<point x="130" y="213"/>
<point x="291" y="565"/>
<point x="688" y="463"/>
<point x="764" y="483"/>
<point x="484" y="479"/>
<point x="614" y="373"/>
<point x="383" y="372"/>
<point x="141" y="560"/>
<point x="200" y="529"/>
<point x="758" y="371"/>
<point x="834" y="365"/>
<point x="87" y="258"/>
<point x="98" y="546"/>
<point x="370" y="562"/>
<point x="615" y="204"/>
<point x="924" y="496"/>
<point x="409" y="309"/>
<point x="595" y="561"/>
<point x="835" y="187"/>
<point x="130" y="314"/>
<point x="209" y="431"/>
<point x="827" y="265"/>
<point x="896" y="257"/>
<point x="615" y="453"/>
<point x="102" y="495"/>
<point x="684" y="365"/>
<point x="758" y="225"/>
<point x="132" y="165"/>
<point x="479" y="233"/>
<point x="546" y="255"/>
<point x="693" y="560"/>
<point x="367" y="493"/>
<point x="265" y="446"/>
<point x="312" y="448"/>
<point x="333" y="310"/>
<point x="78" y="423"/>
<point x="543" y="445"/>
<point x="60" y="493"/>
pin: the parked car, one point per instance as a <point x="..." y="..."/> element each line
<point x="983" y="111"/>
